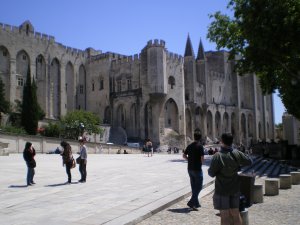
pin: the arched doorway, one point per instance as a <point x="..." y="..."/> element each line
<point x="54" y="88"/>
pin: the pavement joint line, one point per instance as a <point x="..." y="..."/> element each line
<point x="207" y="189"/>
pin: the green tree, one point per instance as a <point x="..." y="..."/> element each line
<point x="4" y="105"/>
<point x="72" y="121"/>
<point x="29" y="114"/>
<point x="40" y="112"/>
<point x="265" y="35"/>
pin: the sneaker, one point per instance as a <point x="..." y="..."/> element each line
<point x="32" y="182"/>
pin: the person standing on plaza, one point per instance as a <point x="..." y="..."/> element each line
<point x="83" y="160"/>
<point x="28" y="155"/>
<point x="149" y="147"/>
<point x="194" y="154"/>
<point x="225" y="165"/>
<point x="67" y="158"/>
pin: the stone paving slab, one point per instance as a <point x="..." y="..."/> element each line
<point x="119" y="189"/>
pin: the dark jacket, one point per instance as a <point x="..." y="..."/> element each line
<point x="67" y="155"/>
<point x="225" y="166"/>
<point x="28" y="156"/>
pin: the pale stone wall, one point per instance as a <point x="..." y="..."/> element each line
<point x="142" y="95"/>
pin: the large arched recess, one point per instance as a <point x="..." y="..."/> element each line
<point x="250" y="126"/>
<point x="171" y="116"/>
<point x="188" y="124"/>
<point x="81" y="93"/>
<point x="107" y="115"/>
<point x="243" y="127"/>
<point x="70" y="90"/>
<point x="218" y="127"/>
<point x="121" y="116"/>
<point x="233" y="125"/>
<point x="5" y="70"/>
<point x="148" y="120"/>
<point x="54" y="88"/>
<point x="22" y="63"/>
<point x="225" y="123"/>
<point x="199" y="119"/>
<point x="209" y="124"/>
<point x="41" y="81"/>
<point x="132" y="129"/>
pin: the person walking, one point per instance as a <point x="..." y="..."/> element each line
<point x="28" y="155"/>
<point x="67" y="158"/>
<point x="194" y="154"/>
<point x="83" y="160"/>
<point x="225" y="165"/>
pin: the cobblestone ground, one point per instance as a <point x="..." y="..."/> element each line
<point x="283" y="209"/>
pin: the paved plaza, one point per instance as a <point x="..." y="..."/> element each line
<point x="120" y="189"/>
<point x="283" y="209"/>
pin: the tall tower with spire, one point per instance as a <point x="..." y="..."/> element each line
<point x="189" y="71"/>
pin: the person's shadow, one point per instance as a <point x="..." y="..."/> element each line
<point x="60" y="184"/>
<point x="180" y="210"/>
<point x="18" y="186"/>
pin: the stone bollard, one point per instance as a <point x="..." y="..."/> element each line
<point x="271" y="186"/>
<point x="244" y="216"/>
<point x="285" y="181"/>
<point x="295" y="177"/>
<point x="258" y="193"/>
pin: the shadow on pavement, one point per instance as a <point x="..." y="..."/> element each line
<point x="17" y="186"/>
<point x="181" y="210"/>
<point x="178" y="160"/>
<point x="60" y="184"/>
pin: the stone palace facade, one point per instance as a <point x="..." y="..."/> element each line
<point x="145" y="95"/>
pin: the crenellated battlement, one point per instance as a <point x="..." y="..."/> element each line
<point x="174" y="57"/>
<point x="41" y="37"/>
<point x="116" y="58"/>
<point x="156" y="43"/>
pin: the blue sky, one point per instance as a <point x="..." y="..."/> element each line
<point x="122" y="26"/>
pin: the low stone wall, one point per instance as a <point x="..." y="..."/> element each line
<point x="16" y="144"/>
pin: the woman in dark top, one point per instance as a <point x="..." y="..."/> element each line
<point x="28" y="155"/>
<point x="67" y="157"/>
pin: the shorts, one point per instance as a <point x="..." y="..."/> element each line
<point x="223" y="202"/>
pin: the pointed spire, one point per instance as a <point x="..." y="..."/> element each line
<point x="201" y="54"/>
<point x="189" y="48"/>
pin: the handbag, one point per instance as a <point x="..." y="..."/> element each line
<point x="78" y="160"/>
<point x="73" y="163"/>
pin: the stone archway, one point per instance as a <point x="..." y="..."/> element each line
<point x="22" y="63"/>
<point x="70" y="86"/>
<point x="233" y="125"/>
<point x="188" y="124"/>
<point x="171" y="115"/>
<point x="121" y="117"/>
<point x="41" y="81"/>
<point x="107" y="115"/>
<point x="225" y="123"/>
<point x="132" y="130"/>
<point x="218" y="126"/>
<point x="54" y="88"/>
<point x="209" y="125"/>
<point x="81" y="92"/>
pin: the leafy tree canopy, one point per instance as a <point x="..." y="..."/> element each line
<point x="72" y="124"/>
<point x="265" y="35"/>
